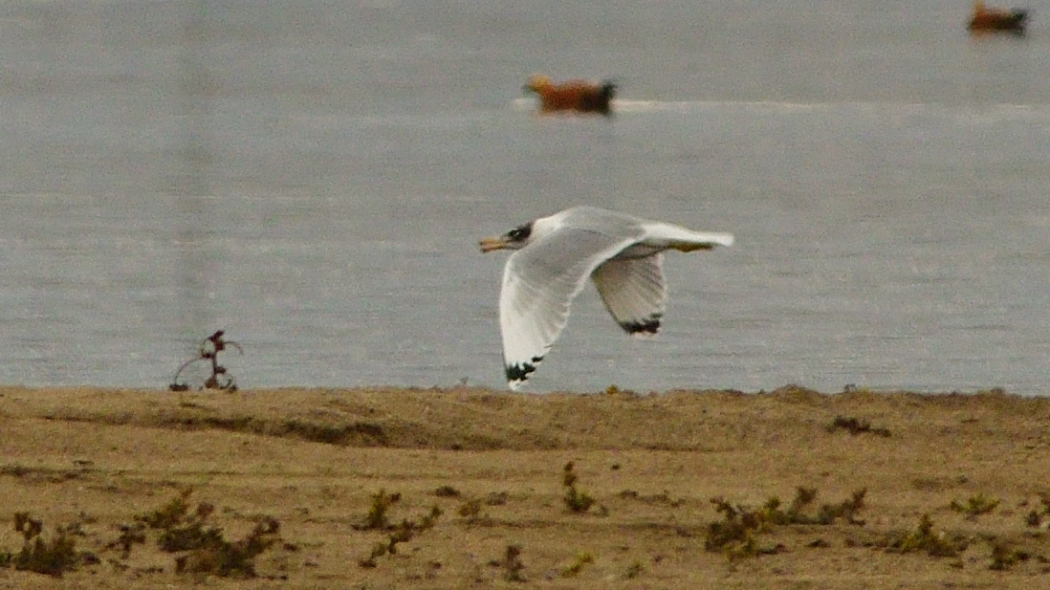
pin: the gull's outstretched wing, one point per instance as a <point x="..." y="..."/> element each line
<point x="634" y="292"/>
<point x="539" y="283"/>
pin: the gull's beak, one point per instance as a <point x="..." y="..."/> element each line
<point x="493" y="243"/>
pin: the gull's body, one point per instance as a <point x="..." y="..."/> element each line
<point x="556" y="255"/>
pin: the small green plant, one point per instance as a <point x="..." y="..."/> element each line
<point x="923" y="538"/>
<point x="377" y="518"/>
<point x="975" y="505"/>
<point x="574" y="569"/>
<point x="575" y="500"/>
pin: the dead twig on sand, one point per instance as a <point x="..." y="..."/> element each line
<point x="209" y="351"/>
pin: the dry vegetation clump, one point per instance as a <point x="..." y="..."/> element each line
<point x="169" y="515"/>
<point x="574" y="569"/>
<point x="735" y="534"/>
<point x="130" y="535"/>
<point x="202" y="548"/>
<point x="180" y="531"/>
<point x="496" y="498"/>
<point x="856" y="426"/>
<point x="511" y="564"/>
<point x="1037" y="517"/>
<point x="376" y="518"/>
<point x="223" y="558"/>
<point x="470" y="511"/>
<point x="1004" y="556"/>
<point x="447" y="492"/>
<point x="41" y="474"/>
<point x="575" y="500"/>
<point x="400" y="533"/>
<point x="51" y="557"/>
<point x="826" y="514"/>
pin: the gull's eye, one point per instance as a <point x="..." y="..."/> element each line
<point x="520" y="234"/>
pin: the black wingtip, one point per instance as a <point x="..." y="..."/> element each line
<point x="647" y="327"/>
<point x="518" y="373"/>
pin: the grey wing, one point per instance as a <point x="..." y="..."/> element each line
<point x="634" y="292"/>
<point x="539" y="283"/>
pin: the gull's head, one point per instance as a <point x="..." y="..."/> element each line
<point x="515" y="239"/>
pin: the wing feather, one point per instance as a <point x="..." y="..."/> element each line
<point x="539" y="283"/>
<point x="634" y="292"/>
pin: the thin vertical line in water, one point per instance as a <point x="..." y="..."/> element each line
<point x="198" y="261"/>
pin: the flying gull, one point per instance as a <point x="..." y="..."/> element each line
<point x="622" y="254"/>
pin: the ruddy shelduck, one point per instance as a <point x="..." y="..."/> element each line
<point x="574" y="95"/>
<point x="997" y="19"/>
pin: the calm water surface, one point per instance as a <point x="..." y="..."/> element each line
<point x="314" y="176"/>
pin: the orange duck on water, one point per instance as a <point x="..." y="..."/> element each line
<point x="580" y="96"/>
<point x="997" y="19"/>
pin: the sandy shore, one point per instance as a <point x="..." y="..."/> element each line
<point x="304" y="469"/>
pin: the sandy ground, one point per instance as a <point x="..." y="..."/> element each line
<point x="314" y="462"/>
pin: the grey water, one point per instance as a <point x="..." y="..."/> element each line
<point x="313" y="177"/>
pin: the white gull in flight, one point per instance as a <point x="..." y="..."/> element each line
<point x="622" y="254"/>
